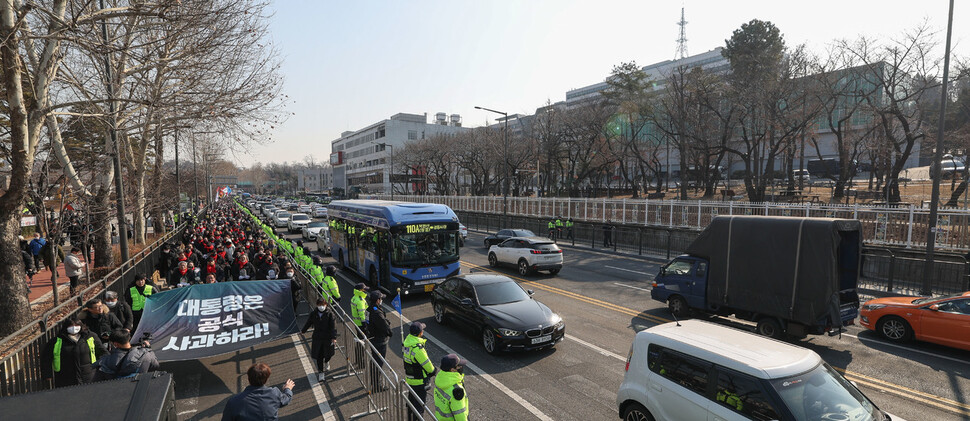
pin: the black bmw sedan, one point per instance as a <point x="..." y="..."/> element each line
<point x="503" y="315"/>
<point x="505" y="234"/>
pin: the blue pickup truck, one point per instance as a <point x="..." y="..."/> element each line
<point x="792" y="276"/>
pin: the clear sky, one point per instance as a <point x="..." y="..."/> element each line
<point x="348" y="64"/>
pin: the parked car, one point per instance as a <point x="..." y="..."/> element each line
<point x="502" y="235"/>
<point x="801" y="175"/>
<point x="297" y="221"/>
<point x="320" y="212"/>
<point x="696" y="370"/>
<point x="528" y="254"/>
<point x="280" y="218"/>
<point x="309" y="231"/>
<point x="503" y="315"/>
<point x="940" y="320"/>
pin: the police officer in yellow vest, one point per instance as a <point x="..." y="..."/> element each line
<point x="450" y="398"/>
<point x="418" y="368"/>
<point x="330" y="283"/>
<point x="137" y="295"/>
<point x="730" y="398"/>
<point x="358" y="306"/>
<point x="68" y="358"/>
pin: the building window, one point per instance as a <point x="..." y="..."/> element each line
<point x="412" y="135"/>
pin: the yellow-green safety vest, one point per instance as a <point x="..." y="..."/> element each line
<point x="446" y="406"/>
<point x="358" y="307"/>
<point x="417" y="365"/>
<point x="330" y="287"/>
<point x="57" y="352"/>
<point x="137" y="299"/>
<point x="731" y="399"/>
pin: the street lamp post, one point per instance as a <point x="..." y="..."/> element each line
<point x="390" y="170"/>
<point x="505" y="155"/>
<point x="927" y="287"/>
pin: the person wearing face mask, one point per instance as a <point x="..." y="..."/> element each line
<point x="120" y="309"/>
<point x="68" y="359"/>
<point x="268" y="269"/>
<point x="450" y="399"/>
<point x="125" y="360"/>
<point x="324" y="337"/>
<point x="195" y="275"/>
<point x="180" y="275"/>
<point x="213" y="268"/>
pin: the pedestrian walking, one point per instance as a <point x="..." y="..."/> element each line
<point x="258" y="402"/>
<point x="99" y="319"/>
<point x="418" y="369"/>
<point x="74" y="267"/>
<point x="324" y="337"/>
<point x="450" y="398"/>
<point x="35" y="245"/>
<point x="379" y="332"/>
<point x="569" y="229"/>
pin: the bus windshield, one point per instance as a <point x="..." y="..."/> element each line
<point x="424" y="249"/>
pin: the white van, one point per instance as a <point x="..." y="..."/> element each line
<point x="696" y="370"/>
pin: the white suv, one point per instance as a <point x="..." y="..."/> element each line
<point x="696" y="370"/>
<point x="528" y="254"/>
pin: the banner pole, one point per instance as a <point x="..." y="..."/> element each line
<point x="400" y="316"/>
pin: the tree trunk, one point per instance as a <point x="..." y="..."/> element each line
<point x="138" y="210"/>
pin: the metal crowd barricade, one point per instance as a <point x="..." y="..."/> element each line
<point x="387" y="392"/>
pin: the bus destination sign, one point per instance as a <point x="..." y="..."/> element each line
<point x="425" y="228"/>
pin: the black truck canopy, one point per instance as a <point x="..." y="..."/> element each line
<point x="780" y="266"/>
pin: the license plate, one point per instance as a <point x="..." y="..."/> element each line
<point x="428" y="288"/>
<point x="541" y="339"/>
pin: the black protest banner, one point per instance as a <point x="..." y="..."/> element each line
<point x="211" y="319"/>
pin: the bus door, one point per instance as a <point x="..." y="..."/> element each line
<point x="383" y="257"/>
<point x="352" y="241"/>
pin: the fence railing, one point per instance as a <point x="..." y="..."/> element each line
<point x="20" y="370"/>
<point x="888" y="225"/>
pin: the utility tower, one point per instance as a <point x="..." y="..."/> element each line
<point x="682" y="40"/>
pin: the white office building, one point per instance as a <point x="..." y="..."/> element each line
<point x="362" y="158"/>
<point x="314" y="179"/>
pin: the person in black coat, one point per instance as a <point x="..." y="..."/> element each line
<point x="242" y="270"/>
<point x="120" y="309"/>
<point x="324" y="336"/>
<point x="73" y="365"/>
<point x="99" y="320"/>
<point x="378" y="331"/>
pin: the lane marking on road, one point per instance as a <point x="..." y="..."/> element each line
<point x="628" y="270"/>
<point x="601" y="351"/>
<point x="488" y="378"/>
<point x="901" y="391"/>
<point x="918" y="351"/>
<point x="905" y="392"/>
<point x="311" y="377"/>
<point x="631" y="286"/>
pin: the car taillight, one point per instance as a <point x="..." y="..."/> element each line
<point x="536" y="251"/>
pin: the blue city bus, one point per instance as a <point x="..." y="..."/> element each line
<point x="411" y="246"/>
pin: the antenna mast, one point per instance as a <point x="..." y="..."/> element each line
<point x="682" y="40"/>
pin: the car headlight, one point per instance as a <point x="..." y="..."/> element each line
<point x="560" y="323"/>
<point x="508" y="332"/>
<point x="870" y="307"/>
